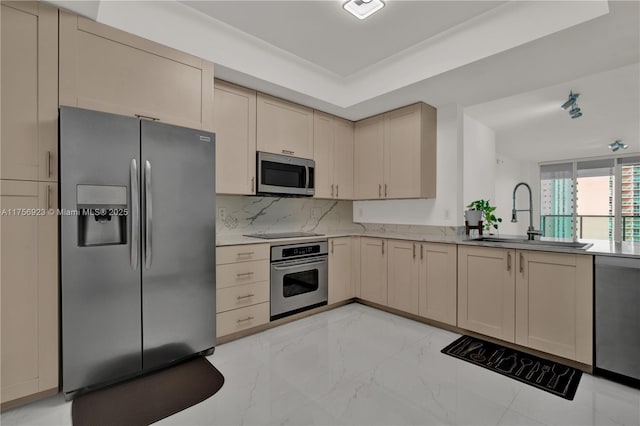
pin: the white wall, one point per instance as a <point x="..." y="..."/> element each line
<point x="447" y="208"/>
<point x="479" y="161"/>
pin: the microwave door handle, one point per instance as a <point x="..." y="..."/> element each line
<point x="306" y="170"/>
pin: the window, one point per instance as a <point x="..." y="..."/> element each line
<point x="591" y="199"/>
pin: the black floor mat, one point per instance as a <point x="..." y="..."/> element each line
<point x="555" y="378"/>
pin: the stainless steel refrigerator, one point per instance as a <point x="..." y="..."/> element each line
<point x="137" y="246"/>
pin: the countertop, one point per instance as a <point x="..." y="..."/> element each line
<point x="600" y="247"/>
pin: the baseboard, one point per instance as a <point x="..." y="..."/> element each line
<point x="27" y="399"/>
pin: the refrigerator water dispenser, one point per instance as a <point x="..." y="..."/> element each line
<point x="102" y="218"/>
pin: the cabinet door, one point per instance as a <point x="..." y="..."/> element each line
<point x="343" y="159"/>
<point x="403" y="268"/>
<point x="234" y="118"/>
<point x="29" y="270"/>
<point x="368" y="158"/>
<point x="340" y="269"/>
<point x="486" y="291"/>
<point x="105" y="69"/>
<point x="554" y="304"/>
<point x="438" y="282"/>
<point x="284" y="127"/>
<point x="373" y="270"/>
<point x="402" y="152"/>
<point x="323" y="155"/>
<point x="29" y="110"/>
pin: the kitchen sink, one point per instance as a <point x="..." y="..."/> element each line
<point x="537" y="243"/>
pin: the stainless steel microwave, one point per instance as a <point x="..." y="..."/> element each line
<point x="284" y="175"/>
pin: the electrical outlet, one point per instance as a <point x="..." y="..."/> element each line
<point x="447" y="214"/>
<point x="222" y="213"/>
<point x="359" y="212"/>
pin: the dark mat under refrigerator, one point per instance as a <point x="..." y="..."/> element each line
<point x="147" y="399"/>
<point x="552" y="377"/>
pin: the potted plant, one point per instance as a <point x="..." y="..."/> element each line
<point x="482" y="210"/>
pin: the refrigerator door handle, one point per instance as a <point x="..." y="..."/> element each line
<point x="148" y="208"/>
<point x="135" y="214"/>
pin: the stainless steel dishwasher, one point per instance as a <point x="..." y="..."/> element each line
<point x="617" y="317"/>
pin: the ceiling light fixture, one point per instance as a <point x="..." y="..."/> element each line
<point x="362" y="9"/>
<point x="575" y="111"/>
<point x="614" y="146"/>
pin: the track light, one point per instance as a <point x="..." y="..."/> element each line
<point x="575" y="111"/>
<point x="573" y="97"/>
<point x="614" y="146"/>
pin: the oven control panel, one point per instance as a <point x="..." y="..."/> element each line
<point x="293" y="251"/>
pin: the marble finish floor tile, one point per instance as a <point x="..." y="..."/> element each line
<point x="356" y="365"/>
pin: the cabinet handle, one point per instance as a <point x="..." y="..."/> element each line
<point x="382" y="246"/>
<point x="245" y="319"/>
<point x="147" y="117"/>
<point x="253" y="184"/>
<point x="247" y="253"/>
<point x="521" y="263"/>
<point x="509" y="261"/>
<point x="331" y="246"/>
<point x="332" y="190"/>
<point x="385" y="190"/>
<point x="284" y="151"/>
<point x="421" y="252"/>
<point x="48" y="163"/>
<point x="414" y="251"/>
<point x="337" y="190"/>
<point x="245" y="297"/>
<point x="244" y="274"/>
<point x="48" y="197"/>
<point x="379" y="191"/>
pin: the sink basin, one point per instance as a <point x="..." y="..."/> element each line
<point x="537" y="243"/>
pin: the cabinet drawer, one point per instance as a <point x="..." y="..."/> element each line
<point x="241" y="253"/>
<point x="235" y="274"/>
<point x="241" y="296"/>
<point x="241" y="319"/>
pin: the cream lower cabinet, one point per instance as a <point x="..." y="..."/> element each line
<point x="242" y="287"/>
<point x="438" y="282"/>
<point x="284" y="127"/>
<point x="29" y="270"/>
<point x="486" y="291"/>
<point x="29" y="140"/>
<point x="234" y="119"/>
<point x="341" y="275"/>
<point x="403" y="269"/>
<point x="105" y="69"/>
<point x="554" y="304"/>
<point x="373" y="270"/>
<point x="333" y="155"/>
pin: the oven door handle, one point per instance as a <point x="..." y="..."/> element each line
<point x="296" y="265"/>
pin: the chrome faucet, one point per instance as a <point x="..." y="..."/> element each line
<point x="531" y="233"/>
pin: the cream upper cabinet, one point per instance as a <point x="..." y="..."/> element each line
<point x="368" y="161"/>
<point x="403" y="268"/>
<point x="333" y="155"/>
<point x="373" y="270"/>
<point x="105" y="69"/>
<point x="29" y="269"/>
<point x="29" y="111"/>
<point x="340" y="269"/>
<point x="410" y="152"/>
<point x="284" y="127"/>
<point x="234" y="120"/>
<point x="486" y="291"/>
<point x="554" y="304"/>
<point x="438" y="282"/>
<point x="395" y="154"/>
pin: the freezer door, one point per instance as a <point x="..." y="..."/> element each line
<point x="100" y="283"/>
<point x="178" y="264"/>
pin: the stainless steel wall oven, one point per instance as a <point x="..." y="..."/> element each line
<point x="298" y="278"/>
